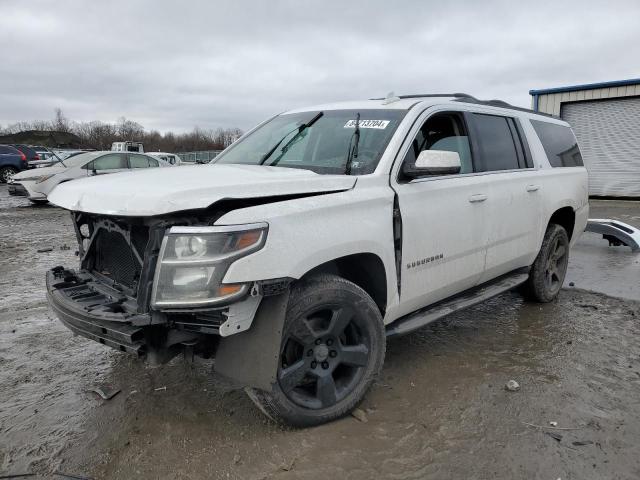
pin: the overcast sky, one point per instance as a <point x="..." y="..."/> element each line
<point x="172" y="65"/>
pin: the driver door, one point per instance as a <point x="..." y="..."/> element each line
<point x="444" y="232"/>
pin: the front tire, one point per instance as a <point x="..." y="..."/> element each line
<point x="332" y="350"/>
<point x="550" y="267"/>
<point x="7" y="173"/>
<point x="38" y="202"/>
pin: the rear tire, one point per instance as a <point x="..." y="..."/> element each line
<point x="332" y="349"/>
<point x="7" y="173"/>
<point x="550" y="267"/>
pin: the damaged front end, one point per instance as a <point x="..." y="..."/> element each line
<point x="154" y="287"/>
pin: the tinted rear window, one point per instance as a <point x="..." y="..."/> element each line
<point x="5" y="149"/>
<point x="559" y="144"/>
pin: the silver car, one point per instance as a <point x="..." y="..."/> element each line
<point x="37" y="184"/>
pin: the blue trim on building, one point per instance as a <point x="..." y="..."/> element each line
<point x="535" y="102"/>
<point x="587" y="86"/>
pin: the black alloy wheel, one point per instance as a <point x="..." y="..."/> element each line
<point x="550" y="266"/>
<point x="556" y="266"/>
<point x="332" y="350"/>
<point x="323" y="356"/>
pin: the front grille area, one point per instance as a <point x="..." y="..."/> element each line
<point x="115" y="248"/>
<point x="139" y="238"/>
<point x="115" y="259"/>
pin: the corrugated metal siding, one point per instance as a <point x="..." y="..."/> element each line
<point x="552" y="103"/>
<point x="608" y="133"/>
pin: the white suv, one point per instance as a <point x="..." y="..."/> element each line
<point x="320" y="233"/>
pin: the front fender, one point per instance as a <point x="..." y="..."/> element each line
<point x="307" y="232"/>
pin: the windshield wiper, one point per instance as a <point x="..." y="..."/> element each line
<point x="353" y="152"/>
<point x="300" y="129"/>
<point x="55" y="155"/>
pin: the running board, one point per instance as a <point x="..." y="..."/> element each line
<point x="471" y="297"/>
<point x="616" y="232"/>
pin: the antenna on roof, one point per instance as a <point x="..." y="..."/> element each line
<point x="390" y="98"/>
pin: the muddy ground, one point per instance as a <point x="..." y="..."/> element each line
<point x="439" y="410"/>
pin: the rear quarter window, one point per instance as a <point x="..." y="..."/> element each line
<point x="559" y="144"/>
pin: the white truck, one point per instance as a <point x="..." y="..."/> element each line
<point x="318" y="235"/>
<point x="127" y="147"/>
<point x="170" y="158"/>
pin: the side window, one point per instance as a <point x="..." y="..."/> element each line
<point x="559" y="144"/>
<point x="498" y="149"/>
<point x="111" y="161"/>
<point x="139" y="161"/>
<point x="153" y="162"/>
<point x="442" y="131"/>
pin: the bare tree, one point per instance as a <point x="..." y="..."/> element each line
<point x="100" y="135"/>
<point x="60" y="122"/>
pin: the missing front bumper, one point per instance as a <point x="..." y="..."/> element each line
<point x="89" y="307"/>
<point x="95" y="311"/>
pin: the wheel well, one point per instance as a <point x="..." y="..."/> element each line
<point x="364" y="269"/>
<point x="565" y="217"/>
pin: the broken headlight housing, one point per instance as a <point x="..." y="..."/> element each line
<point x="193" y="261"/>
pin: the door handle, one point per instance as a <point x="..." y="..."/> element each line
<point x="478" y="197"/>
<point x="533" y="188"/>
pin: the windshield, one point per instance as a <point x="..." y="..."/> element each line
<point x="322" y="147"/>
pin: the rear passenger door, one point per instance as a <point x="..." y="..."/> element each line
<point x="137" y="160"/>
<point x="513" y="192"/>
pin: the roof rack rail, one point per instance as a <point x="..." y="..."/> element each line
<point x="500" y="104"/>
<point x="422" y="95"/>
<point x="466" y="98"/>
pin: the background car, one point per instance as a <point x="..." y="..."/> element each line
<point x="43" y="152"/>
<point x="51" y="157"/>
<point x="170" y="158"/>
<point x="29" y="152"/>
<point x="36" y="184"/>
<point x="12" y="161"/>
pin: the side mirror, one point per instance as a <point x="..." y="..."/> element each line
<point x="434" y="162"/>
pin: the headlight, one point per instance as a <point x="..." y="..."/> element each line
<point x="44" y="178"/>
<point x="193" y="261"/>
<point x="38" y="179"/>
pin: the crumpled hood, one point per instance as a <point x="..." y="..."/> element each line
<point x="158" y="191"/>
<point x="39" y="172"/>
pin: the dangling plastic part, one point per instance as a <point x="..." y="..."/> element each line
<point x="390" y="98"/>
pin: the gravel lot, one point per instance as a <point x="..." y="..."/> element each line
<point x="440" y="409"/>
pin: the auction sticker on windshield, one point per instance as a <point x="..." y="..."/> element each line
<point x="380" y="124"/>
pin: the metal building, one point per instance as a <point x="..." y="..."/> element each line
<point x="606" y="120"/>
